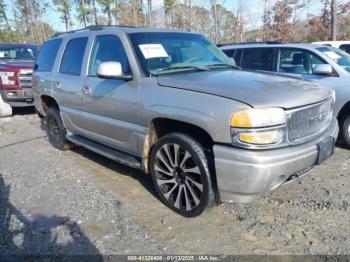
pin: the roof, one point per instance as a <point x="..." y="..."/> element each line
<point x="125" y="29"/>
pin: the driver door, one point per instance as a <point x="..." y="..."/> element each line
<point x="110" y="106"/>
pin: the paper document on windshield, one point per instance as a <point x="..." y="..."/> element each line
<point x="332" y="55"/>
<point x="153" y="51"/>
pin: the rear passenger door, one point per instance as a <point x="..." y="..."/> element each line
<point x="68" y="83"/>
<point x="258" y="59"/>
<point x="110" y="106"/>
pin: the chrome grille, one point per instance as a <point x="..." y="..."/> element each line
<point x="307" y="123"/>
<point x="25" y="78"/>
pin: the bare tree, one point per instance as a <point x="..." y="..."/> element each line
<point x="215" y="19"/>
<point x="277" y="24"/>
<point x="94" y="11"/>
<point x="3" y="15"/>
<point x="64" y="7"/>
<point x="107" y="7"/>
<point x="334" y="19"/>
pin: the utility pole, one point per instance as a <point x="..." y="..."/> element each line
<point x="334" y="19"/>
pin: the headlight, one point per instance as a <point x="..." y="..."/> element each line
<point x="252" y="117"/>
<point x="5" y="78"/>
<point x="261" y="137"/>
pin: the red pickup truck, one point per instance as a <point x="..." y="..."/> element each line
<point x="16" y="68"/>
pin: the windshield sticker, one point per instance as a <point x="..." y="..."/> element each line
<point x="153" y="51"/>
<point x="332" y="55"/>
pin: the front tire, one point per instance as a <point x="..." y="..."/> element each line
<point x="345" y="130"/>
<point x="55" y="129"/>
<point x="181" y="175"/>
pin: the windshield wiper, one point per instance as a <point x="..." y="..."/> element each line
<point x="200" y="68"/>
<point x="223" y="65"/>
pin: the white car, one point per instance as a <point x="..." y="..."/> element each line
<point x="323" y="64"/>
<point x="343" y="45"/>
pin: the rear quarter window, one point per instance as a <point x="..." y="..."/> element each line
<point x="47" y="55"/>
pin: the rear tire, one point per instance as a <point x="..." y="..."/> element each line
<point x="55" y="130"/>
<point x="181" y="175"/>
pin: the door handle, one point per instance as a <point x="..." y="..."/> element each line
<point x="58" y="84"/>
<point x="86" y="90"/>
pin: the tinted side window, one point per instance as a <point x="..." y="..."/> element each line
<point x="73" y="56"/>
<point x="108" y="48"/>
<point x="298" y="61"/>
<point x="47" y="55"/>
<point x="238" y="56"/>
<point x="229" y="52"/>
<point x="345" y="48"/>
<point x="257" y="59"/>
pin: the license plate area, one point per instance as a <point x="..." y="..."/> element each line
<point x="325" y="150"/>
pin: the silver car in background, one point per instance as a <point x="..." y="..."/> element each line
<point x="323" y="64"/>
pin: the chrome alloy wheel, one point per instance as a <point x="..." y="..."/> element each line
<point x="178" y="177"/>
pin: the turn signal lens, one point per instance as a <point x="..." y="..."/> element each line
<point x="258" y="117"/>
<point x="261" y="138"/>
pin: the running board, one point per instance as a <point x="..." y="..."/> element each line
<point x="106" y="151"/>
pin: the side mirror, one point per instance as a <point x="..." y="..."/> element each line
<point x="323" y="69"/>
<point x="112" y="70"/>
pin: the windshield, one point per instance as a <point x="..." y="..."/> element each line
<point x="18" y="52"/>
<point x="338" y="56"/>
<point x="163" y="53"/>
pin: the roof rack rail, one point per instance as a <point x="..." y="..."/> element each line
<point x="252" y="43"/>
<point x="95" y="27"/>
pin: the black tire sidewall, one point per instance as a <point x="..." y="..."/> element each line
<point x="186" y="142"/>
<point x="61" y="143"/>
<point x="345" y="123"/>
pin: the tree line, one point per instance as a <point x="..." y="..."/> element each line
<point x="29" y="21"/>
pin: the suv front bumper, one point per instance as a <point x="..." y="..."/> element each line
<point x="18" y="97"/>
<point x="243" y="175"/>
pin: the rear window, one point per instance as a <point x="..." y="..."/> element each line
<point x="72" y="59"/>
<point x="257" y="59"/>
<point x="47" y="55"/>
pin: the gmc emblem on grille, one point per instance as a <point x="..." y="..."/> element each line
<point x="317" y="119"/>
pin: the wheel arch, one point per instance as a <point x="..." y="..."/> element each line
<point x="161" y="126"/>
<point x="48" y="101"/>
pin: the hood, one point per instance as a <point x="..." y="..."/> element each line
<point x="16" y="64"/>
<point x="254" y="89"/>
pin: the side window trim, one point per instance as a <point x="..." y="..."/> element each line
<point x="63" y="52"/>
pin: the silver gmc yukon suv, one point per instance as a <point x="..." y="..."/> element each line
<point x="172" y="104"/>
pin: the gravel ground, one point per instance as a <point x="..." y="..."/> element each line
<point x="77" y="202"/>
